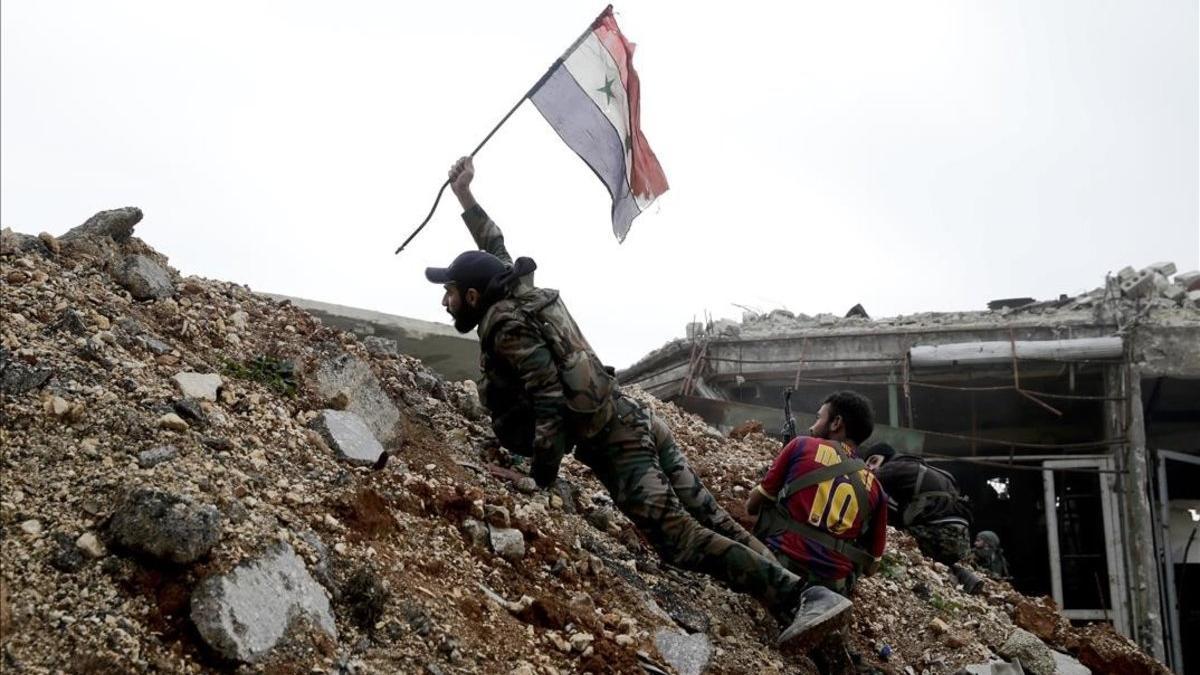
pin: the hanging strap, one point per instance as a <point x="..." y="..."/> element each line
<point x="846" y="547"/>
<point x="846" y="467"/>
<point x="920" y="479"/>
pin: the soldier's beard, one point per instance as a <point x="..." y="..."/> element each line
<point x="467" y="318"/>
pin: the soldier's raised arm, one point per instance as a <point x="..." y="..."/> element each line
<point x="487" y="234"/>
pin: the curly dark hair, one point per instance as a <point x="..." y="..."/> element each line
<point x="856" y="413"/>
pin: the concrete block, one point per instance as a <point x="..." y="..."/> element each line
<point x="1164" y="268"/>
<point x="1194" y="297"/>
<point x="1174" y="292"/>
<point x="1138" y="285"/>
<point x="1126" y="272"/>
<point x="694" y="330"/>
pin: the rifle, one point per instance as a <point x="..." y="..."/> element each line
<point x="789" y="421"/>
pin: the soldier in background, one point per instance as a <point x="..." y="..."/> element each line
<point x="988" y="556"/>
<point x="925" y="501"/>
<point x="548" y="393"/>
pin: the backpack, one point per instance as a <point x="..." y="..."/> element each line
<point x="953" y="506"/>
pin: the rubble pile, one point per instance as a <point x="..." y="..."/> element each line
<point x="1153" y="293"/>
<point x="198" y="479"/>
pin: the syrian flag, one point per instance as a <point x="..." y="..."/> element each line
<point x="592" y="97"/>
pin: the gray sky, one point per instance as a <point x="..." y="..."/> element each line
<point x="909" y="156"/>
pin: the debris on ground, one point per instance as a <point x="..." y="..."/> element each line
<point x="198" y="478"/>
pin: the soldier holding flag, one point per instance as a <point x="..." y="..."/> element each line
<point x="548" y="393"/>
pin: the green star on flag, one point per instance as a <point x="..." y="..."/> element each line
<point x="607" y="88"/>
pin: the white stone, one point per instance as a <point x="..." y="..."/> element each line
<point x="173" y="422"/>
<point x="581" y="641"/>
<point x="349" y="436"/>
<point x="33" y="527"/>
<point x="244" y="614"/>
<point x="90" y="544"/>
<point x="198" y="385"/>
<point x="507" y="543"/>
<point x="687" y="654"/>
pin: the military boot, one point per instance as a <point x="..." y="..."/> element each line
<point x="820" y="611"/>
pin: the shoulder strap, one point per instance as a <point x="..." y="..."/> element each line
<point x="847" y="466"/>
<point x="920" y="479"/>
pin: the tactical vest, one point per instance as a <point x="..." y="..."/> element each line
<point x="587" y="387"/>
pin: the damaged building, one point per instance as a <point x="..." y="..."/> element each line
<point x="1072" y="425"/>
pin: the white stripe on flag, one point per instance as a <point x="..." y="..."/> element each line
<point x="593" y="68"/>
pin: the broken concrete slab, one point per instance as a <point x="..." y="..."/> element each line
<point x="1164" y="268"/>
<point x="244" y="614"/>
<point x="167" y="526"/>
<point x="348" y="435"/>
<point x="198" y="385"/>
<point x="368" y="400"/>
<point x="687" y="654"/>
<point x="144" y="278"/>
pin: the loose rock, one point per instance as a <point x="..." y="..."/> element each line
<point x="90" y="544"/>
<point x="688" y="654"/>
<point x="117" y="224"/>
<point x="155" y="456"/>
<point x="198" y="385"/>
<point x="244" y="614"/>
<point x="507" y="543"/>
<point x="165" y="526"/>
<point x="144" y="278"/>
<point x="349" y="436"/>
<point x="1035" y="656"/>
<point x="173" y="422"/>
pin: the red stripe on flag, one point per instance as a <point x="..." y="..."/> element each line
<point x="647" y="180"/>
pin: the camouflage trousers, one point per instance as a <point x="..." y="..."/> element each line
<point x="947" y="543"/>
<point x="844" y="586"/>
<point x="638" y="461"/>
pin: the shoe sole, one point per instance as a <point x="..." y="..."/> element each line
<point x="830" y="621"/>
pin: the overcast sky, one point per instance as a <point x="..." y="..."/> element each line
<point x="910" y="156"/>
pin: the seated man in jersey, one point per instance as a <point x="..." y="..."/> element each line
<point x="819" y="509"/>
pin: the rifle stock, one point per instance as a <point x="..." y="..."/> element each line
<point x="789" y="421"/>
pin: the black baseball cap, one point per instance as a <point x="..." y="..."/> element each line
<point x="884" y="449"/>
<point x="472" y="269"/>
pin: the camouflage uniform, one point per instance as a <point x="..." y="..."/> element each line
<point x="947" y="543"/>
<point x="548" y="393"/>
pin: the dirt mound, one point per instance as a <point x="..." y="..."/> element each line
<point x="407" y="550"/>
